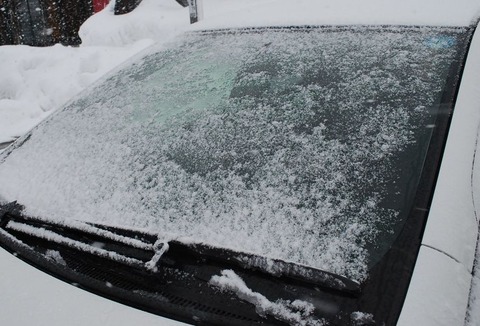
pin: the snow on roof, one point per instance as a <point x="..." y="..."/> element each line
<point x="162" y="19"/>
<point x="229" y="13"/>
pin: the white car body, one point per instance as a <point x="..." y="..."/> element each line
<point x="439" y="290"/>
<point x="31" y="297"/>
<point x="438" y="293"/>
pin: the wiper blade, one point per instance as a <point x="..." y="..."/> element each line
<point x="118" y="243"/>
<point x="232" y="259"/>
<point x="45" y="234"/>
<point x="116" y="262"/>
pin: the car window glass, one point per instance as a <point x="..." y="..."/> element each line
<point x="302" y="145"/>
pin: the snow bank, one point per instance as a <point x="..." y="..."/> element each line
<point x="152" y="19"/>
<point x="36" y="81"/>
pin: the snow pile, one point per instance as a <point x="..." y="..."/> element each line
<point x="294" y="313"/>
<point x="36" y="81"/>
<point x="152" y="19"/>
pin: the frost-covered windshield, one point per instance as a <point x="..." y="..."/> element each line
<point x="304" y="145"/>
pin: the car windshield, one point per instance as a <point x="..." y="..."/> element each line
<point x="299" y="144"/>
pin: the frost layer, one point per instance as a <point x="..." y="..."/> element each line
<point x="301" y="145"/>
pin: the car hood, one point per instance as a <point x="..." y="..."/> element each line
<point x="32" y="296"/>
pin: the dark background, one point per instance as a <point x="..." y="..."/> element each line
<point x="47" y="22"/>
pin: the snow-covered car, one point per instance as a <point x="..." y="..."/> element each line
<point x="277" y="163"/>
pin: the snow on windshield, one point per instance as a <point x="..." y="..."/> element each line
<point x="302" y="145"/>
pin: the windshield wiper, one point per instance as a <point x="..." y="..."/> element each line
<point x="140" y="269"/>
